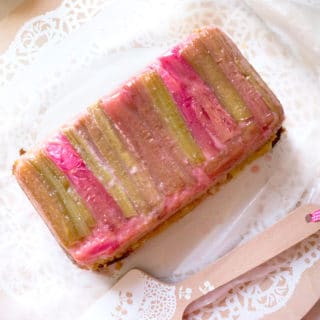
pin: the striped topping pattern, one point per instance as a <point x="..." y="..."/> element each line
<point x="157" y="143"/>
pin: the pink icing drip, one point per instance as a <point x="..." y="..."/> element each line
<point x="103" y="207"/>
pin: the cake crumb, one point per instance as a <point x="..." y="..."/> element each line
<point x="255" y="168"/>
<point x="22" y="151"/>
<point x="268" y="157"/>
<point x="118" y="265"/>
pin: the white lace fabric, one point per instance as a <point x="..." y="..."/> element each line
<point x="63" y="60"/>
<point x="51" y="27"/>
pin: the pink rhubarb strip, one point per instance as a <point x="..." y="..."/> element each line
<point x="210" y="124"/>
<point x="103" y="207"/>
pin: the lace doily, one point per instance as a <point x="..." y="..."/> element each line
<point x="62" y="61"/>
<point x="254" y="298"/>
<point x="159" y="301"/>
<point x="51" y="27"/>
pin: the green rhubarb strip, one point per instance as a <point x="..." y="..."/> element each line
<point x="199" y="58"/>
<point x="166" y="107"/>
<point x="79" y="215"/>
<point x="139" y="188"/>
<point x="52" y="206"/>
<point x="99" y="171"/>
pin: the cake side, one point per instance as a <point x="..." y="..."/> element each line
<point x="159" y="142"/>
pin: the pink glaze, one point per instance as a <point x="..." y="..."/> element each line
<point x="105" y="210"/>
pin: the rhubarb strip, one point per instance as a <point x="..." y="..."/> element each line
<point x="166" y="107"/>
<point x="78" y="214"/>
<point x="253" y="99"/>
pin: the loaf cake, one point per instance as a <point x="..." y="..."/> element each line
<point x="132" y="160"/>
